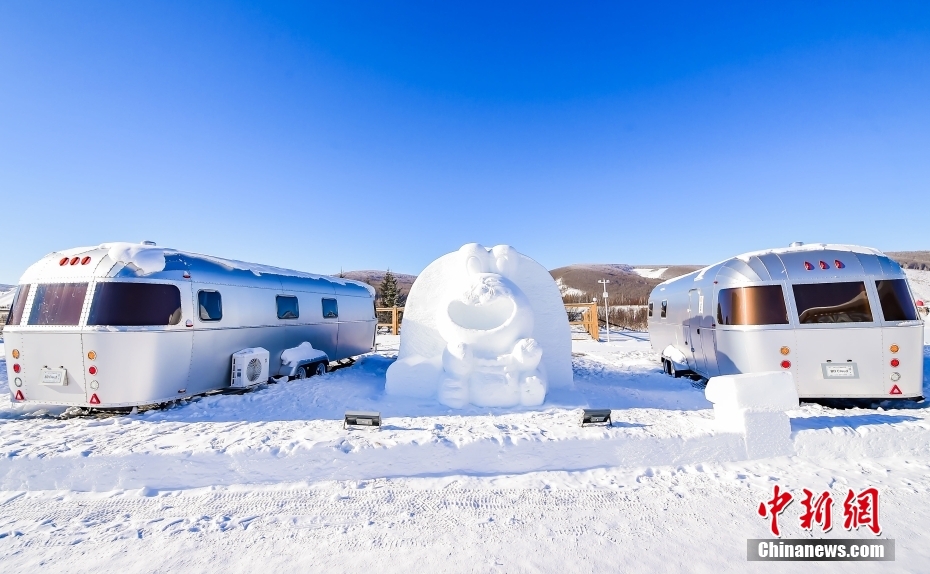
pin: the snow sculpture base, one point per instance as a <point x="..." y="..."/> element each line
<point x="754" y="406"/>
<point x="485" y="327"/>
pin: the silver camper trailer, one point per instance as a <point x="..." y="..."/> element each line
<point x="841" y="318"/>
<point x="131" y="324"/>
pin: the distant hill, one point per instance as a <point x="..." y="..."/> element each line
<point x="628" y="284"/>
<point x="374" y="278"/>
<point x="911" y="259"/>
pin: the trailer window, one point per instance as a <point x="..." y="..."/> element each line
<point x="832" y="303"/>
<point x="330" y="309"/>
<point x="287" y="307"/>
<point x="664" y="311"/>
<point x="758" y="305"/>
<point x="58" y="304"/>
<point x="135" y="305"/>
<point x="19" y="305"/>
<point x="896" y="301"/>
<point x="650" y="308"/>
<point x="211" y="305"/>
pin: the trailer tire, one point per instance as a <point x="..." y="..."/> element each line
<point x="671" y="370"/>
<point x="301" y="373"/>
<point x="319" y="369"/>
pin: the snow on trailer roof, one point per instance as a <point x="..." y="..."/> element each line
<point x="148" y="260"/>
<point x="794" y="248"/>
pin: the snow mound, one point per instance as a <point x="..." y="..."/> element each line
<point x="147" y="259"/>
<point x="754" y="406"/>
<point x="485" y="327"/>
<point x="302" y="352"/>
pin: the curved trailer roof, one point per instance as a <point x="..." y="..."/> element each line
<point x="138" y="260"/>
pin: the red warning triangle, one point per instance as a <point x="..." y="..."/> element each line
<point x="19" y="396"/>
<point x="895" y="390"/>
<point x="95" y="401"/>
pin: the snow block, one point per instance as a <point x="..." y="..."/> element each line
<point x="754" y="406"/>
<point x="485" y="327"/>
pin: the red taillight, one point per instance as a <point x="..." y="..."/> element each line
<point x="94" y="400"/>
<point x="19" y="396"/>
<point x="808" y="266"/>
<point x="16" y="367"/>
<point x="838" y="264"/>
<point x="895" y="362"/>
<point x="74" y="260"/>
<point x="786" y="364"/>
<point x="64" y="261"/>
<point x="92" y="370"/>
<point x="85" y="261"/>
<point x="823" y="265"/>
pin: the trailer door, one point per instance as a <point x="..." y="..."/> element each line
<point x="696" y="357"/>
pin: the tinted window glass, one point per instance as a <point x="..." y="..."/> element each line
<point x="58" y="304"/>
<point x="135" y="305"/>
<point x="833" y="303"/>
<point x="650" y="308"/>
<point x="761" y="305"/>
<point x="211" y="305"/>
<point x="287" y="307"/>
<point x="330" y="310"/>
<point x="664" y="310"/>
<point x="19" y="305"/>
<point x="896" y="301"/>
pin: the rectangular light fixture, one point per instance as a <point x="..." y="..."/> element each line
<point x="596" y="416"/>
<point x="362" y="419"/>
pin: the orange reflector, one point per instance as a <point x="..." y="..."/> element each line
<point x="15" y="353"/>
<point x="894" y="348"/>
<point x="19" y="396"/>
<point x="785" y="350"/>
<point x="895" y="390"/>
<point x="94" y="400"/>
<point x="91" y="355"/>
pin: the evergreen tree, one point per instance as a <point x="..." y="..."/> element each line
<point x="388" y="290"/>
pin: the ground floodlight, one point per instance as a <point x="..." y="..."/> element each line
<point x="595" y="416"/>
<point x="362" y="419"/>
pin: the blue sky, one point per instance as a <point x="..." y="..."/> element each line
<point x="321" y="136"/>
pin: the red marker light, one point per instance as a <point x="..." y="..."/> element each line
<point x="85" y="261"/>
<point x="895" y="362"/>
<point x="823" y="265"/>
<point x="838" y="264"/>
<point x="786" y="364"/>
<point x="19" y="396"/>
<point x="94" y="400"/>
<point x="920" y="303"/>
<point x="16" y="367"/>
<point x="808" y="266"/>
<point x="92" y="370"/>
<point x="74" y="260"/>
<point x="63" y="262"/>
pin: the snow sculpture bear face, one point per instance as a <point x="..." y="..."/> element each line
<point x="491" y="314"/>
<point x="473" y="328"/>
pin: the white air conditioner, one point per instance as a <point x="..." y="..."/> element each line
<point x="249" y="367"/>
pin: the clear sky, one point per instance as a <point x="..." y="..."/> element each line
<point x="330" y="135"/>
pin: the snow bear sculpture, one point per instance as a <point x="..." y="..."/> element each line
<point x="485" y="327"/>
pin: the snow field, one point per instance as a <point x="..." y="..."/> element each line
<point x="269" y="479"/>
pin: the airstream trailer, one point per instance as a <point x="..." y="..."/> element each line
<point x="840" y="318"/>
<point x="131" y="324"/>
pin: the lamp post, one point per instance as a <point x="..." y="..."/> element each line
<point x="604" y="282"/>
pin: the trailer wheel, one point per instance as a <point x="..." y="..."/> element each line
<point x="301" y="373"/>
<point x="319" y="369"/>
<point x="672" y="371"/>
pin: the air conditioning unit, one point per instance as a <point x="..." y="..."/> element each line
<point x="249" y="367"/>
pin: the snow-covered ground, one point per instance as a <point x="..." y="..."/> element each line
<point x="270" y="480"/>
